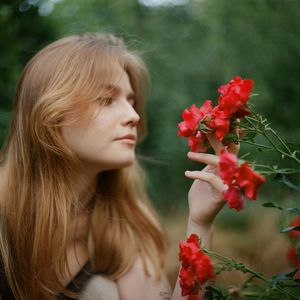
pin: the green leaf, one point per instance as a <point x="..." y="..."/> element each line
<point x="204" y="128"/>
<point x="289" y="209"/>
<point x="293" y="210"/>
<point x="293" y="146"/>
<point x="289" y="228"/>
<point x="212" y="293"/>
<point x="231" y="136"/>
<point x="271" y="204"/>
<point x="284" y="276"/>
<point x="250" y="135"/>
<point x="284" y="179"/>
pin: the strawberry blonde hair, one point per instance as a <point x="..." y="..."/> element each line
<point x="38" y="171"/>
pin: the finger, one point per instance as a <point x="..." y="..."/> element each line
<point x="209" y="159"/>
<point x="210" y="178"/>
<point x="215" y="143"/>
<point x="210" y="169"/>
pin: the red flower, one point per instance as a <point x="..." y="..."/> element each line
<point x="198" y="143"/>
<point x="187" y="282"/>
<point x="192" y="117"/>
<point x="234" y="198"/>
<point x="249" y="180"/>
<point x="194" y="297"/>
<point x="206" y="107"/>
<point x="204" y="268"/>
<point x="240" y="180"/>
<point x="227" y="166"/>
<point x="219" y="122"/>
<point x="293" y="257"/>
<point x="196" y="267"/>
<point x="294" y="234"/>
<point x="234" y="97"/>
<point x="189" y="250"/>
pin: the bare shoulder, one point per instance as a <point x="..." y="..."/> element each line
<point x="100" y="288"/>
<point x="136" y="285"/>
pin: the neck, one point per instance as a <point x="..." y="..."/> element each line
<point x="87" y="184"/>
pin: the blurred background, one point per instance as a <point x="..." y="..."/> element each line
<point x="191" y="47"/>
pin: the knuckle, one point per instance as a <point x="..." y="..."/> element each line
<point x="210" y="177"/>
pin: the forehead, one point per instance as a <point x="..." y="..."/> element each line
<point x="119" y="83"/>
<point x="123" y="81"/>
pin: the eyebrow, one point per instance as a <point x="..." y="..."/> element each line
<point x="117" y="91"/>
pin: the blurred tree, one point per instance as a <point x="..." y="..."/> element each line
<point x="22" y="33"/>
<point x="191" y="50"/>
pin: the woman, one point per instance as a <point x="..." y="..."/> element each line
<point x="72" y="201"/>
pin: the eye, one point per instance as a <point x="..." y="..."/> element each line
<point x="107" y="100"/>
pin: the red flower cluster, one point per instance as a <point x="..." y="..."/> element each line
<point x="294" y="234"/>
<point x="292" y="254"/>
<point x="196" y="267"/>
<point x="241" y="180"/>
<point x="293" y="257"/>
<point x="219" y="120"/>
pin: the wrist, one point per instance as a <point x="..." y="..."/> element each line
<point x="204" y="232"/>
<point x="196" y="225"/>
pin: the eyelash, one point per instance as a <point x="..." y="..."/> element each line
<point x="109" y="100"/>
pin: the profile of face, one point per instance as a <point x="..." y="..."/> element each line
<point x="108" y="140"/>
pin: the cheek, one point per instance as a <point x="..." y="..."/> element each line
<point x="84" y="139"/>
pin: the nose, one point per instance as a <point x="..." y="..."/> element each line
<point x="130" y="116"/>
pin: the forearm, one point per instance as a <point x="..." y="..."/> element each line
<point x="205" y="233"/>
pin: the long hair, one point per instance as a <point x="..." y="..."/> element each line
<point x="39" y="172"/>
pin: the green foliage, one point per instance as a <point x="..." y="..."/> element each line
<point x="191" y="50"/>
<point x="21" y="35"/>
<point x="280" y="286"/>
<point x="289" y="209"/>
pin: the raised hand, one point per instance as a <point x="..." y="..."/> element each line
<point x="205" y="195"/>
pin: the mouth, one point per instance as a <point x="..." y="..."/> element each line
<point x="131" y="137"/>
<point x="127" y="141"/>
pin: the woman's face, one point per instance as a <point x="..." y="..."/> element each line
<point x="99" y="143"/>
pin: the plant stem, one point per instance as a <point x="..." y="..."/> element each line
<point x="280" y="140"/>
<point x="241" y="267"/>
<point x="258" y="145"/>
<point x="261" y="127"/>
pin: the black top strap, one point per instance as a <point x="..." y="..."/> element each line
<point x="79" y="281"/>
<point x="76" y="285"/>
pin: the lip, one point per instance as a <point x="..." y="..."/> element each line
<point x="131" y="137"/>
<point x="127" y="141"/>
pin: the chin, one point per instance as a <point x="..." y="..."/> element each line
<point x="123" y="163"/>
<point x="128" y="163"/>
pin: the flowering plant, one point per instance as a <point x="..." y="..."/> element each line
<point x="220" y="120"/>
<point x="234" y="120"/>
<point x="196" y="268"/>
